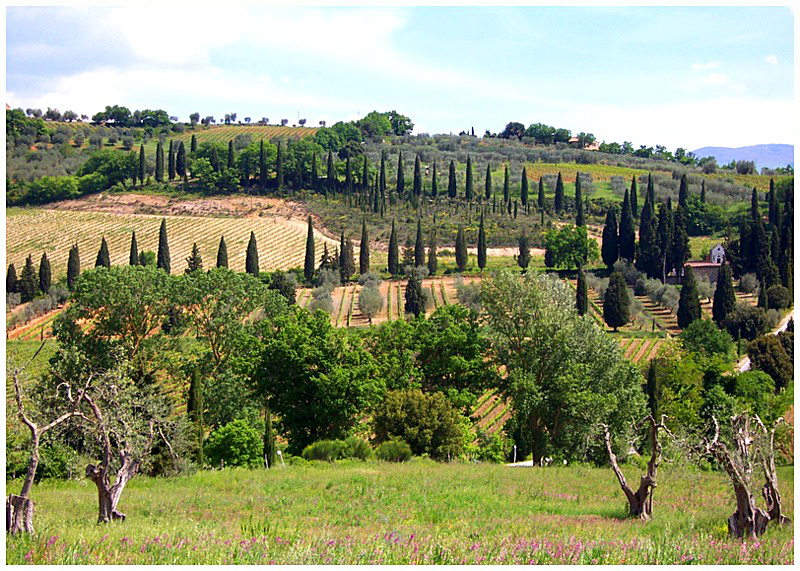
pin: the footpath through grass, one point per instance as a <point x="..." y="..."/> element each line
<point x="420" y="512"/>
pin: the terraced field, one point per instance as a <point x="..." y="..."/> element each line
<point x="281" y="242"/>
<point x="225" y="133"/>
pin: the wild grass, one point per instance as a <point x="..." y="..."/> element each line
<point x="419" y="512"/>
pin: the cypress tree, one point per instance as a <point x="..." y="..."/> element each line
<point x="651" y="191"/>
<point x="314" y="173"/>
<point x="617" y="302"/>
<point x="755" y="214"/>
<point x="506" y="186"/>
<point x="231" y="158"/>
<point x="11" y="280"/>
<point x="681" y="250"/>
<point x="141" y="165"/>
<point x="163" y="247"/>
<point x="724" y="295"/>
<point x="44" y="274"/>
<point x="195" y="261"/>
<point x="434" y="181"/>
<point x="103" y="259"/>
<point x="523" y="192"/>
<point x="330" y="173"/>
<point x="703" y="192"/>
<point x="394" y="254"/>
<point x="516" y="206"/>
<point x="73" y="266"/>
<point x="683" y="192"/>
<point x="415" y="297"/>
<point x="159" y="162"/>
<point x="787" y="242"/>
<point x="610" y="248"/>
<point x="524" y="257"/>
<point x="214" y="159"/>
<point x="28" y="282"/>
<point x="452" y="191"/>
<point x="773" y="202"/>
<point x="433" y="262"/>
<point x="419" y="247"/>
<point x="759" y="252"/>
<point x="142" y="259"/>
<point x="171" y="161"/>
<point x="481" y="245"/>
<point x="363" y="256"/>
<point x="251" y="260"/>
<point x="578" y="201"/>
<point x="559" y="200"/>
<point x="487" y="193"/>
<point x="375" y="196"/>
<point x="508" y="207"/>
<point x="382" y="180"/>
<point x="468" y="186"/>
<point x="364" y="175"/>
<point x="744" y="247"/>
<point x="762" y="295"/>
<point x="417" y="177"/>
<point x="540" y="200"/>
<point x="648" y="247"/>
<point x="461" y="249"/>
<point x="634" y="198"/>
<point x="348" y="260"/>
<point x="348" y="177"/>
<point x="279" y="167"/>
<point x="133" y="257"/>
<point x="400" y="175"/>
<point x="262" y="166"/>
<point x="193" y="144"/>
<point x="180" y="161"/>
<point x="689" y="301"/>
<point x="582" y="293"/>
<point x="310" y="259"/>
<point x="222" y="253"/>
<point x="663" y="242"/>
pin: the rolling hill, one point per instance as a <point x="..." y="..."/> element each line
<point x="770" y="156"/>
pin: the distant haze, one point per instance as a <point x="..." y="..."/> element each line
<point x="770" y="156"/>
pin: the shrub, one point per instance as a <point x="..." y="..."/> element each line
<point x="703" y="336"/>
<point x="746" y="321"/>
<point x="237" y="443"/>
<point x="326" y="450"/>
<point x="357" y="448"/>
<point x="493" y="447"/>
<point x="629" y="272"/>
<point x="768" y="355"/>
<point x="748" y="283"/>
<point x="296" y="461"/>
<point x="393" y="451"/>
<point x="778" y="297"/>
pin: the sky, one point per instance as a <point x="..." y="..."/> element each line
<point x="676" y="76"/>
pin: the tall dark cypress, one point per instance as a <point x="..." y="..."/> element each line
<point x="73" y="266"/>
<point x="419" y="247"/>
<point x="193" y="144"/>
<point x="634" y="198"/>
<point x="468" y="185"/>
<point x="11" y="280"/>
<point x="461" y="249"/>
<point x="222" y="253"/>
<point x="452" y="190"/>
<point x="231" y="158"/>
<point x="159" y="162"/>
<point x="28" y="281"/>
<point x="415" y="298"/>
<point x="180" y="160"/>
<point x="364" y="175"/>
<point x="45" y="275"/>
<point x="506" y="186"/>
<point x="540" y="198"/>
<point x="559" y="200"/>
<point x="689" y="301"/>
<point x="363" y="255"/>
<point x="382" y="178"/>
<point x="311" y="259"/>
<point x="394" y="253"/>
<point x="434" y="181"/>
<point x="651" y="191"/>
<point x="481" y="245"/>
<point x="578" y="201"/>
<point x="433" y="262"/>
<point x="330" y="173"/>
<point x="195" y="261"/>
<point x="214" y="159"/>
<point x="103" y="259"/>
<point x="141" y="165"/>
<point x="724" y="295"/>
<point x="616" y="302"/>
<point x="610" y="247"/>
<point x="401" y="184"/>
<point x="755" y="213"/>
<point x="523" y="192"/>
<point x="133" y="257"/>
<point x="663" y="242"/>
<point x="681" y="250"/>
<point x="163" y="247"/>
<point x="279" y="167"/>
<point x="582" y="293"/>
<point x="487" y="191"/>
<point x="348" y="177"/>
<point x="648" y="248"/>
<point x="417" y="177"/>
<point x="627" y="231"/>
<point x="772" y="201"/>
<point x="262" y="166"/>
<point x="251" y="260"/>
<point x="683" y="192"/>
<point x="171" y="161"/>
<point x="703" y="192"/>
<point x="314" y="173"/>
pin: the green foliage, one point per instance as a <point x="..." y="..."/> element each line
<point x="627" y="230"/>
<point x="767" y="354"/>
<point x="73" y="266"/>
<point x="702" y="336"/>
<point x="616" y="303"/>
<point x="237" y="444"/>
<point x="582" y="294"/>
<point x="415" y="298"/>
<point x="778" y="297"/>
<point x="332" y="450"/>
<point x="363" y="255"/>
<point x="163" y="262"/>
<point x="285" y="283"/>
<point x="251" y="259"/>
<point x="195" y="261"/>
<point x="11" y="280"/>
<point x="103" y="259"/>
<point x="462" y="254"/>
<point x="481" y="245"/>
<point x="433" y="262"/>
<point x="495" y="447"/>
<point x="745" y="322"/>
<point x="756" y="391"/>
<point x="222" y="253"/>
<point x="570" y="246"/>
<point x="393" y="263"/>
<point x="724" y="295"/>
<point x="689" y="302"/>
<point x="610" y="247"/>
<point x="45" y="275"/>
<point x="393" y="451"/>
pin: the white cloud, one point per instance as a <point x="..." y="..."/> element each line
<point x="705" y="66"/>
<point x="714" y="79"/>
<point x="771" y="59"/>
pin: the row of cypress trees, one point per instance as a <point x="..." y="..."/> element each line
<point x="30" y="282"/>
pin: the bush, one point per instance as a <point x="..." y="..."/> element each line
<point x="778" y="297"/>
<point x="493" y="447"/>
<point x="748" y="283"/>
<point x="703" y="336"/>
<point x="326" y="450"/>
<point x="237" y="443"/>
<point x="296" y="461"/>
<point x="357" y="448"/>
<point x="768" y="355"/>
<point x="629" y="272"/>
<point x="393" y="451"/>
<point x="746" y="321"/>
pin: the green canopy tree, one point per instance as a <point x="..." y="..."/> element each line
<point x="310" y="259"/>
<point x="103" y="258"/>
<point x="163" y="248"/>
<point x="610" y="247"/>
<point x="222" y="253"/>
<point x="45" y="275"/>
<point x="689" y="301"/>
<point x="617" y="302"/>
<point x="251" y="258"/>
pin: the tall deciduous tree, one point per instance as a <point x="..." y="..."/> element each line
<point x="163" y="248"/>
<point x="73" y="266"/>
<point x="394" y="253"/>
<point x="45" y="275"/>
<point x="617" y="302"/>
<point x="251" y="259"/>
<point x="103" y="259"/>
<point x="582" y="293"/>
<point x="559" y="200"/>
<point x="363" y="255"/>
<point x="610" y="247"/>
<point x="689" y="301"/>
<point x="452" y="189"/>
<point x="481" y="245"/>
<point x="222" y="253"/>
<point x="461" y="249"/>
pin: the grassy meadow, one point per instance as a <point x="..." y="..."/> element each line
<point x="419" y="512"/>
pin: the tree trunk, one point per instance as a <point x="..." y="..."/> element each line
<point x="108" y="495"/>
<point x="748" y="521"/>
<point x="19" y="514"/>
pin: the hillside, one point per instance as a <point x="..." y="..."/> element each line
<point x="770" y="156"/>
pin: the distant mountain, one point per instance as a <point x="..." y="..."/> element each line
<point x="770" y="156"/>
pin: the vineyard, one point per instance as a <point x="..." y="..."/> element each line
<point x="225" y="133"/>
<point x="281" y="242"/>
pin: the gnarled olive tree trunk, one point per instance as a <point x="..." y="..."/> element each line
<point x="772" y="495"/>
